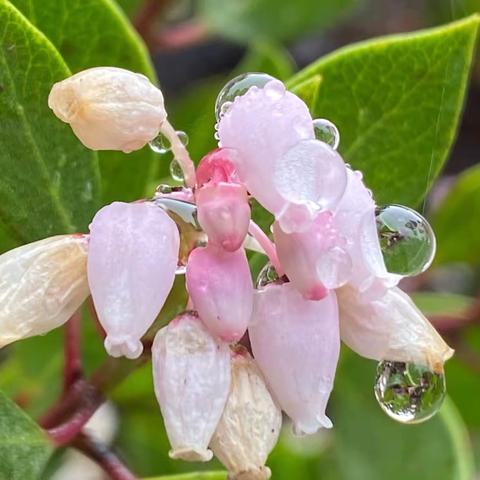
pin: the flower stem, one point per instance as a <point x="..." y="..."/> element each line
<point x="267" y="245"/>
<point x="73" y="364"/>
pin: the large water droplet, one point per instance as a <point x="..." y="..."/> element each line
<point x="236" y="87"/>
<point x="176" y="171"/>
<point x="408" y="392"/>
<point x="267" y="275"/>
<point x="160" y="144"/>
<point x="327" y="132"/>
<point x="406" y="239"/>
<point x="183" y="137"/>
<point x="184" y="215"/>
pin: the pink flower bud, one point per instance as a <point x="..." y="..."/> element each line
<point x="216" y="167"/>
<point x="191" y="373"/>
<point x="296" y="344"/>
<point x="314" y="260"/>
<point x="42" y="285"/>
<point x="109" y="108"/>
<point x="390" y="328"/>
<point x="131" y="267"/>
<point x="250" y="424"/>
<point x="221" y="289"/>
<point x="224" y="213"/>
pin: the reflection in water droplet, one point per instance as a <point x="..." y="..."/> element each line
<point x="408" y="392"/>
<point x="160" y="144"/>
<point x="406" y="239"/>
<point x="191" y="234"/>
<point x="267" y="275"/>
<point x="326" y="132"/>
<point x="183" y="137"/>
<point x="236" y="87"/>
<point x="176" y="171"/>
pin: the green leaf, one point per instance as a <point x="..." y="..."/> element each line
<point x="442" y="303"/>
<point x="308" y="90"/>
<point x="455" y="223"/>
<point x="24" y="448"/>
<point x="49" y="182"/>
<point x="397" y="102"/>
<point x="249" y="20"/>
<point x="91" y="33"/>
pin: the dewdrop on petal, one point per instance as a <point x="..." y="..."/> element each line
<point x="250" y="424"/>
<point x="109" y="108"/>
<point x="131" y="268"/>
<point x="191" y="373"/>
<point x="391" y="328"/>
<point x="42" y="284"/>
<point x="296" y="343"/>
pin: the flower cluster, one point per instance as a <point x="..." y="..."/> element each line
<point x="326" y="280"/>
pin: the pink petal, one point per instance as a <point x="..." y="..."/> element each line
<point x="220" y="286"/>
<point x="224" y="213"/>
<point x="191" y="373"/>
<point x="216" y="166"/>
<point x="131" y="267"/>
<point x="261" y="126"/>
<point x="296" y="344"/>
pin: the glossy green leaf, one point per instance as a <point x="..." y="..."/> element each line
<point x="397" y="102"/>
<point x="49" y="182"/>
<point x="91" y="33"/>
<point x="24" y="448"/>
<point x="455" y="222"/>
<point x="308" y="90"/>
<point x="249" y="20"/>
<point x="442" y="303"/>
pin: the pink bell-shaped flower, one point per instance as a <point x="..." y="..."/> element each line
<point x="217" y="166"/>
<point x="390" y="328"/>
<point x="221" y="289"/>
<point x="224" y="213"/>
<point x="191" y="373"/>
<point x="296" y="343"/>
<point x="314" y="260"/>
<point x="131" y="267"/>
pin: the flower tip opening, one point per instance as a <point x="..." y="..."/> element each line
<point x="260" y="473"/>
<point x="301" y="429"/>
<point x="191" y="454"/>
<point x="123" y="347"/>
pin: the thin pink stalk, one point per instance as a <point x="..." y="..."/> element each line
<point x="268" y="246"/>
<point x="73" y="364"/>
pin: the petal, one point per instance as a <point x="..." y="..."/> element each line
<point x="250" y="424"/>
<point x="42" y="285"/>
<point x="390" y="328"/>
<point x="315" y="259"/>
<point x="216" y="166"/>
<point x="221" y="289"/>
<point x="224" y="214"/>
<point x="109" y="108"/>
<point x="131" y="267"/>
<point x="191" y="373"/>
<point x="261" y="126"/>
<point x="296" y="345"/>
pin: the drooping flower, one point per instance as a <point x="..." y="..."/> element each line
<point x="250" y="424"/>
<point x="296" y="343"/>
<point x="390" y="328"/>
<point x="131" y="267"/>
<point x="42" y="285"/>
<point x="221" y="289"/>
<point x="191" y="372"/>
<point x="109" y="108"/>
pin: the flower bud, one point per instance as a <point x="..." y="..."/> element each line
<point x="191" y="373"/>
<point x="221" y="289"/>
<point x="390" y="328"/>
<point x="250" y="424"/>
<point x="131" y="268"/>
<point x="109" y="108"/>
<point x="296" y="345"/>
<point x="224" y="213"/>
<point x="42" y="285"/>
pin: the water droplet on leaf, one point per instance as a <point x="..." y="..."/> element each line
<point x="406" y="239"/>
<point x="408" y="392"/>
<point x="236" y="87"/>
<point x="160" y="144"/>
<point x="176" y="171"/>
<point x="326" y="132"/>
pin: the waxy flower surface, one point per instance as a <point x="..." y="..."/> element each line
<point x="325" y="278"/>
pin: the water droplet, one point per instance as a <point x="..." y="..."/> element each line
<point x="406" y="239"/>
<point x="267" y="275"/>
<point x="236" y="87"/>
<point x="176" y="171"/>
<point x="184" y="214"/>
<point x="408" y="392"/>
<point x="164" y="188"/>
<point x="326" y="132"/>
<point x="183" y="137"/>
<point x="160" y="144"/>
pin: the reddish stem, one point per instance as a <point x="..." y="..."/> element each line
<point x="73" y="370"/>
<point x="180" y="36"/>
<point x="268" y="246"/>
<point x="104" y="457"/>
